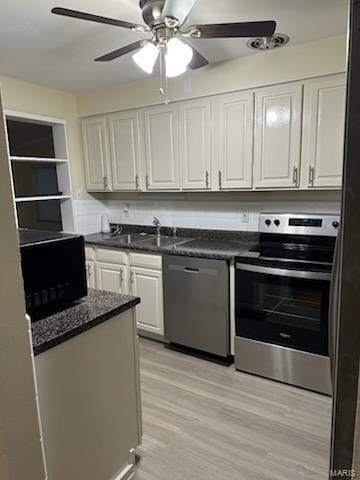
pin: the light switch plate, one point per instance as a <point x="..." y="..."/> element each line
<point x="187" y="85"/>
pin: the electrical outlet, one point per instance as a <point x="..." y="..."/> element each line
<point x="126" y="210"/>
<point x="187" y="85"/>
<point x="245" y="217"/>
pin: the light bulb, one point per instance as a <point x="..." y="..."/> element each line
<point x="177" y="58"/>
<point x="146" y="57"/>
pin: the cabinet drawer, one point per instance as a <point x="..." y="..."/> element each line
<point x="89" y="253"/>
<point x="145" y="260"/>
<point x="111" y="256"/>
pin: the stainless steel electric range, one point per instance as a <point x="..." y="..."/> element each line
<point x="282" y="300"/>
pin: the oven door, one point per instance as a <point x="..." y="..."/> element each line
<point x="284" y="307"/>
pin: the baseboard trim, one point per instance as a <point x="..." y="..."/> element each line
<point x="151" y="335"/>
<point x="127" y="472"/>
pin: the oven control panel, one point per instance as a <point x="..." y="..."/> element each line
<point x="300" y="224"/>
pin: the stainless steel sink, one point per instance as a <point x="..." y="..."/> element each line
<point x="163" y="241"/>
<point x="129" y="238"/>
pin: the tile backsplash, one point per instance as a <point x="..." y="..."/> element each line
<point x="237" y="211"/>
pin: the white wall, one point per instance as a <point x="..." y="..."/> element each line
<point x="35" y="99"/>
<point x="20" y="447"/>
<point x="327" y="56"/>
<point x="212" y="211"/>
<point x="220" y="210"/>
<point x="306" y="60"/>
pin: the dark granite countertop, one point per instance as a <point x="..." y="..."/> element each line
<point x="88" y="312"/>
<point x="214" y="244"/>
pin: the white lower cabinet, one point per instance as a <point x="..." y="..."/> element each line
<point x="112" y="277"/>
<point x="147" y="284"/>
<point x="133" y="273"/>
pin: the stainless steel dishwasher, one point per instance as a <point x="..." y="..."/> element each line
<point x="196" y="303"/>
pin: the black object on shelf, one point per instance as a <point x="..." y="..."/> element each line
<point x="28" y="139"/>
<point x="33" y="179"/>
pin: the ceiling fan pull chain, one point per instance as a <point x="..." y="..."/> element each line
<point x="163" y="77"/>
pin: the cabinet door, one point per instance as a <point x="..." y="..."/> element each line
<point x="96" y="155"/>
<point x="125" y="151"/>
<point x="161" y="127"/>
<point x="90" y="274"/>
<point x="234" y="131"/>
<point x="112" y="277"/>
<point x="195" y="144"/>
<point x="147" y="284"/>
<point x="277" y="136"/>
<point x="323" y="132"/>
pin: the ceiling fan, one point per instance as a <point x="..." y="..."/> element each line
<point x="165" y="20"/>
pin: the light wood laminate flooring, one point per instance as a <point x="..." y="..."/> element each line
<point x="204" y="421"/>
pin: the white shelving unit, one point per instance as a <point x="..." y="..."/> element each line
<point x="60" y="161"/>
<point x="41" y="198"/>
<point x="38" y="159"/>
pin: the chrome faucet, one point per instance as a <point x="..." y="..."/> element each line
<point x="157" y="224"/>
<point x="118" y="230"/>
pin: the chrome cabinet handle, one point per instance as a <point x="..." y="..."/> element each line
<point x="136" y="182"/>
<point x="295" y="176"/>
<point x="311" y="176"/>
<point x="207" y="179"/>
<point x="131" y="280"/>
<point x="147" y="181"/>
<point x="106" y="184"/>
<point x="220" y="179"/>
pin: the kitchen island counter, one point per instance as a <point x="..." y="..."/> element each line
<point x="97" y="307"/>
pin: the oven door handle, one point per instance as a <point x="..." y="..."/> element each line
<point x="284" y="272"/>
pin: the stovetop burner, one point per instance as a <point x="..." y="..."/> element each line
<point x="295" y="239"/>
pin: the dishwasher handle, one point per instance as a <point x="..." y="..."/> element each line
<point x="191" y="270"/>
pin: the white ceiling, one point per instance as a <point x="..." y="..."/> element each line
<point x="55" y="51"/>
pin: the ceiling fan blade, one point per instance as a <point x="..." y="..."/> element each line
<point x="98" y="19"/>
<point x="198" y="60"/>
<point x="178" y="9"/>
<point x="230" y="30"/>
<point x="121" y="51"/>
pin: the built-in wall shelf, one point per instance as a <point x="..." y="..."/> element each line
<point x="40" y="171"/>
<point x="38" y="159"/>
<point x="42" y="198"/>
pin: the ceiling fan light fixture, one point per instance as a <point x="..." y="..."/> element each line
<point x="177" y="58"/>
<point x="146" y="57"/>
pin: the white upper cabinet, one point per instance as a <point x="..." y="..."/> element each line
<point x="323" y="132"/>
<point x="161" y="126"/>
<point x="195" y="144"/>
<point x="96" y="155"/>
<point x="233" y="130"/>
<point x="125" y="151"/>
<point x="277" y="136"/>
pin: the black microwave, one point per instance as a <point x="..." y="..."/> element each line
<point x="53" y="269"/>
